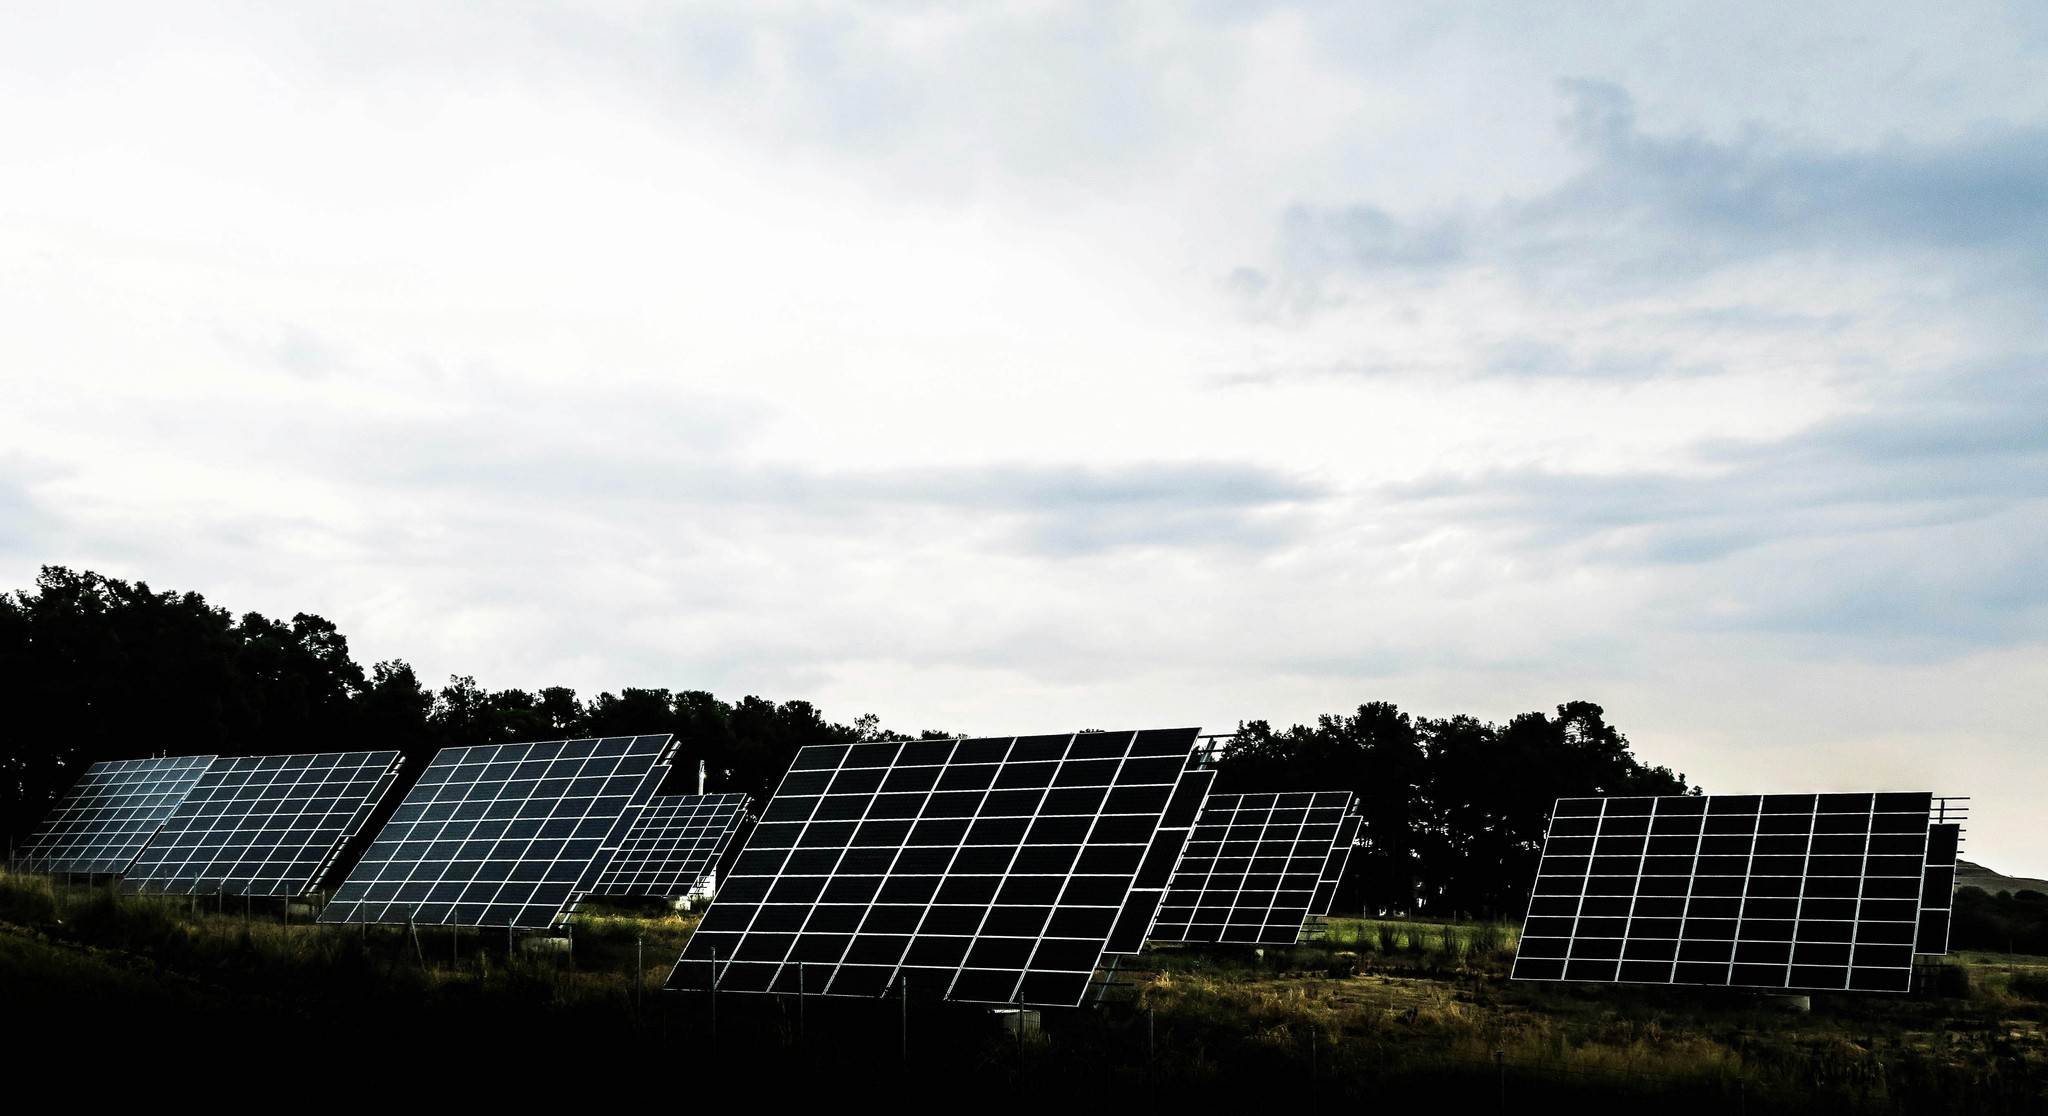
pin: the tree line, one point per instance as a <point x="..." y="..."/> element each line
<point x="1453" y="809"/>
<point x="95" y="668"/>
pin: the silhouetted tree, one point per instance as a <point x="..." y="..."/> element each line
<point x="1454" y="810"/>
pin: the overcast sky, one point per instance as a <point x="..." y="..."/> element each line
<point x="1011" y="368"/>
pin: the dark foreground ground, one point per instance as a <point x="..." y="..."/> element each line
<point x="118" y="998"/>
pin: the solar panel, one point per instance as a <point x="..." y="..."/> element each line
<point x="675" y="844"/>
<point x="992" y="870"/>
<point x="1169" y="842"/>
<point x="110" y="814"/>
<point x="1253" y="868"/>
<point x="1772" y="891"/>
<point x="263" y="825"/>
<point x="1938" y="888"/>
<point x="1333" y="868"/>
<point x="503" y="835"/>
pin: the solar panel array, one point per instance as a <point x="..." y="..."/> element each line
<point x="1169" y="841"/>
<point x="503" y="835"/>
<point x="1333" y="868"/>
<point x="1254" y="868"/>
<point x="675" y="844"/>
<point x="113" y="810"/>
<point x="263" y="825"/>
<point x="1777" y="891"/>
<point x="1938" y="888"/>
<point x="993" y="870"/>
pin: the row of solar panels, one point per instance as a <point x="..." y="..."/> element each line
<point x="968" y="847"/>
<point x="276" y="825"/>
<point x="1008" y="869"/>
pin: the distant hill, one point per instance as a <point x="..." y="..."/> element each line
<point x="1976" y="875"/>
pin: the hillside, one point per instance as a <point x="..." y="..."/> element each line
<point x="1969" y="874"/>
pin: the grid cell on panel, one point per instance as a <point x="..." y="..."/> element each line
<point x="264" y="825"/>
<point x="986" y="869"/>
<point x="1783" y="891"/>
<point x="503" y="835"/>
<point x="110" y="814"/>
<point x="1256" y="868"/>
<point x="677" y="841"/>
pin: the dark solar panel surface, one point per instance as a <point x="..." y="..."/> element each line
<point x="113" y="810"/>
<point x="1333" y="868"/>
<point x="1938" y="888"/>
<point x="678" y="839"/>
<point x="503" y="835"/>
<point x="1774" y="891"/>
<point x="263" y="825"/>
<point x="988" y="870"/>
<point x="1169" y="841"/>
<point x="1252" y="868"/>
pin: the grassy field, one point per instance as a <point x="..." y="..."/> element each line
<point x="1374" y="1012"/>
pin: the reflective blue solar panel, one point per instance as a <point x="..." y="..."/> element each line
<point x="263" y="825"/>
<point x="113" y="810"/>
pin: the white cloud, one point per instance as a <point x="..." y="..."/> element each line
<point x="1051" y="365"/>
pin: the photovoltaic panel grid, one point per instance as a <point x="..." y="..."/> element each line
<point x="263" y="825"/>
<point x="1938" y="888"/>
<point x="994" y="870"/>
<point x="1774" y="891"/>
<point x="1253" y="868"/>
<point x="677" y="841"/>
<point x="503" y="835"/>
<point x="1333" y="869"/>
<point x="110" y="814"/>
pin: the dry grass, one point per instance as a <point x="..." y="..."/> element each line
<point x="1383" y="1008"/>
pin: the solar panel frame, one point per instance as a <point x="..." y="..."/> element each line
<point x="988" y="870"/>
<point x="109" y="815"/>
<point x="503" y="835"/>
<point x="677" y="841"/>
<point x="1810" y="892"/>
<point x="1255" y="868"/>
<point x="264" y="825"/>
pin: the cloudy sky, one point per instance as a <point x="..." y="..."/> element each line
<point x="1042" y="366"/>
